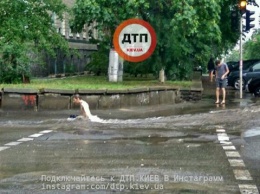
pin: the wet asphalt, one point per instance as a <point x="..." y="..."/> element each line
<point x="192" y="147"/>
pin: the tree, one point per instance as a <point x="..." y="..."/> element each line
<point x="188" y="31"/>
<point x="192" y="28"/>
<point x="26" y="27"/>
<point x="229" y="37"/>
<point x="233" y="56"/>
<point x="99" y="61"/>
<point x="252" y="47"/>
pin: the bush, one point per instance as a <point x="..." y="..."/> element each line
<point x="99" y="63"/>
<point x="14" y="63"/>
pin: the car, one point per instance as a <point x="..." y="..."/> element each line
<point x="249" y="71"/>
<point x="234" y="65"/>
<point x="253" y="86"/>
<point x="254" y="72"/>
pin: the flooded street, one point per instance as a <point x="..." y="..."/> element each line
<point x="184" y="148"/>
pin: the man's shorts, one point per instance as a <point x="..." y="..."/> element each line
<point x="221" y="83"/>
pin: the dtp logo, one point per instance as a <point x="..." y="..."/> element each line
<point x="134" y="40"/>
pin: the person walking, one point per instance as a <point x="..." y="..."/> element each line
<point x="211" y="69"/>
<point x="221" y="81"/>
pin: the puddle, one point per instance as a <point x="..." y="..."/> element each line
<point x="156" y="139"/>
<point x="252" y="132"/>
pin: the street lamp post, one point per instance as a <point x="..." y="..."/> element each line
<point x="242" y="7"/>
<point x="241" y="62"/>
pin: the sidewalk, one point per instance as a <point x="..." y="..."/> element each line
<point x="206" y="84"/>
<point x="232" y="95"/>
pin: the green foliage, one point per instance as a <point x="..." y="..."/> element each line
<point x="100" y="59"/>
<point x="252" y="47"/>
<point x="180" y="71"/>
<point x="26" y="27"/>
<point x="139" y="69"/>
<point x="13" y="63"/>
<point x="70" y="68"/>
<point x="229" y="37"/>
<point x="99" y="63"/>
<point x="188" y="31"/>
<point x="233" y="56"/>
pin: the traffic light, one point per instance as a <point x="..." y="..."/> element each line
<point x="242" y="6"/>
<point x="252" y="2"/>
<point x="249" y="20"/>
<point x="234" y="20"/>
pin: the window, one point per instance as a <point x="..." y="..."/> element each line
<point x="256" y="67"/>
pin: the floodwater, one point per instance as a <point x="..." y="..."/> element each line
<point x="160" y="149"/>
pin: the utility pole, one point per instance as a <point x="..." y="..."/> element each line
<point x="241" y="61"/>
<point x="242" y="7"/>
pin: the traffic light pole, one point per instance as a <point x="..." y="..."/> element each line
<point x="241" y="60"/>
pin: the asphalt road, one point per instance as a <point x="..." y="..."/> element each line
<point x="185" y="148"/>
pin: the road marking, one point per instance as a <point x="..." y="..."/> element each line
<point x="3" y="148"/>
<point x="36" y="135"/>
<point x="248" y="189"/>
<point x="223" y="137"/>
<point x="25" y="139"/>
<point x="242" y="175"/>
<point x="232" y="154"/>
<point x="236" y="162"/>
<point x="13" y="143"/>
<point x="45" y="131"/>
<point x="229" y="147"/>
<point x="221" y="130"/>
<point x="226" y="142"/>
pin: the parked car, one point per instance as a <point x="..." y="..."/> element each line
<point x="250" y="69"/>
<point x="234" y="65"/>
<point x="253" y="86"/>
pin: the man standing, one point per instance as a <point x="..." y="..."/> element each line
<point x="221" y="81"/>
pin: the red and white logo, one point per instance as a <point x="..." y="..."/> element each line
<point x="134" y="40"/>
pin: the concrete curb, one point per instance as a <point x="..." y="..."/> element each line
<point x="57" y="99"/>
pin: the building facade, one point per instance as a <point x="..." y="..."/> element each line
<point x="80" y="49"/>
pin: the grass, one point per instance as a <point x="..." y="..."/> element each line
<point x="95" y="82"/>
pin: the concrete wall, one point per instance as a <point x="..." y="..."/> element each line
<point x="19" y="99"/>
<point x="50" y="99"/>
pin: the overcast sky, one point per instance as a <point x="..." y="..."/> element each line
<point x="256" y="16"/>
<point x="256" y="22"/>
<point x="257" y="12"/>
